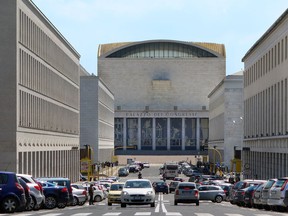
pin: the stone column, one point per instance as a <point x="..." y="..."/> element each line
<point x="183" y="134"/>
<point x="153" y="134"/>
<point x="168" y="133"/>
<point x="198" y="134"/>
<point x="124" y="134"/>
<point x="139" y="134"/>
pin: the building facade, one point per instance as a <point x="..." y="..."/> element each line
<point x="96" y="118"/>
<point x="39" y="79"/>
<point x="160" y="89"/>
<point x="226" y="121"/>
<point x="265" y="147"/>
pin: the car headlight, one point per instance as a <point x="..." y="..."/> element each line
<point x="149" y="193"/>
<point x="125" y="193"/>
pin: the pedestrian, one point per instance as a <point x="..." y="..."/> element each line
<point x="164" y="176"/>
<point x="91" y="192"/>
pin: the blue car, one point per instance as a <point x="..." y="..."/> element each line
<point x="12" y="194"/>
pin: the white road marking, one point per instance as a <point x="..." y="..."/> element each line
<point x="203" y="214"/>
<point x="82" y="214"/>
<point x="158" y="204"/>
<point x="112" y="214"/>
<point x="173" y="214"/>
<point x="51" y="214"/>
<point x="143" y="213"/>
<point x="234" y="214"/>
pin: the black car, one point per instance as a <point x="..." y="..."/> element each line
<point x="61" y="182"/>
<point x="27" y="193"/>
<point x="248" y="196"/>
<point x="161" y="186"/>
<point x="55" y="196"/>
<point x="123" y="172"/>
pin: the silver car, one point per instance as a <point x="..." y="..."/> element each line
<point x="79" y="196"/>
<point x="265" y="193"/>
<point x="278" y="195"/>
<point x="186" y="192"/>
<point x="36" y="192"/>
<point x="212" y="192"/>
<point x="137" y="192"/>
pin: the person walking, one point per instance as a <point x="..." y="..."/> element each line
<point x="91" y="193"/>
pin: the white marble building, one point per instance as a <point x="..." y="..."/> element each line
<point x="265" y="146"/>
<point x="160" y="89"/>
<point x="226" y="120"/>
<point x="39" y="80"/>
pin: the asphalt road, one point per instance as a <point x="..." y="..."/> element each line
<point x="164" y="206"/>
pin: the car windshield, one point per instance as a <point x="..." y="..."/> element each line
<point x="116" y="187"/>
<point x="137" y="184"/>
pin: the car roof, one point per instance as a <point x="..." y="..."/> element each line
<point x="116" y="183"/>
<point x="138" y="180"/>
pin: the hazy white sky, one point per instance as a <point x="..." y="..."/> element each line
<point x="234" y="23"/>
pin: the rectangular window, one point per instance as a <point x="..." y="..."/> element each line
<point x="161" y="133"/>
<point x="190" y="133"/>
<point x="176" y="133"/>
<point x="146" y="132"/>
<point x="132" y="132"/>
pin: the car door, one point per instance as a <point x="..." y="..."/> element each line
<point x="203" y="192"/>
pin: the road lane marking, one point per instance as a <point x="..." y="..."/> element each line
<point x="82" y="214"/>
<point x="173" y="214"/>
<point x="158" y="204"/>
<point x="203" y="214"/>
<point x="52" y="214"/>
<point x="234" y="214"/>
<point x="143" y="213"/>
<point x="112" y="214"/>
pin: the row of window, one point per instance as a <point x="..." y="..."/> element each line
<point x="265" y="165"/>
<point x="161" y="50"/>
<point x="266" y="112"/>
<point x="270" y="60"/>
<point x="132" y="133"/>
<point x="38" y="113"/>
<point x="38" y="77"/>
<point x="49" y="163"/>
<point x="35" y="39"/>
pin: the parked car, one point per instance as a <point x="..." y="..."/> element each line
<point x="138" y="192"/>
<point x="179" y="179"/>
<point x="172" y="186"/>
<point x="36" y="191"/>
<point x="161" y="186"/>
<point x="257" y="203"/>
<point x="61" y="182"/>
<point x="249" y="194"/>
<point x="12" y="194"/>
<point x="211" y="192"/>
<point x="79" y="196"/>
<point x="186" y="192"/>
<point x="27" y="194"/>
<point x="234" y="196"/>
<point x="265" y="193"/>
<point x="278" y="195"/>
<point x="98" y="194"/>
<point x="55" y="195"/>
<point x="146" y="164"/>
<point x="114" y="195"/>
<point x="226" y="187"/>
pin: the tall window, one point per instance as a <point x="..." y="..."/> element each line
<point x="146" y="133"/>
<point x="161" y="133"/>
<point x="204" y="132"/>
<point x="175" y="133"/>
<point x="190" y="133"/>
<point x="132" y="132"/>
<point x="118" y="131"/>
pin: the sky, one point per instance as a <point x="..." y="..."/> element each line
<point x="234" y="23"/>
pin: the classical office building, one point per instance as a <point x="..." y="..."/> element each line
<point x="265" y="146"/>
<point x="226" y="121"/>
<point x="96" y="118"/>
<point x="39" y="80"/>
<point x="160" y="89"/>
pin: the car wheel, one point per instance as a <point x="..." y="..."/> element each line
<point x="123" y="205"/>
<point x="61" y="205"/>
<point x="37" y="207"/>
<point x="9" y="205"/>
<point x="31" y="205"/>
<point x="153" y="204"/>
<point x="81" y="203"/>
<point x="218" y="199"/>
<point x="50" y="202"/>
<point x="175" y="203"/>
<point x="75" y="201"/>
<point x="97" y="198"/>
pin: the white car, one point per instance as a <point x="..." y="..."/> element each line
<point x="138" y="192"/>
<point x="98" y="194"/>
